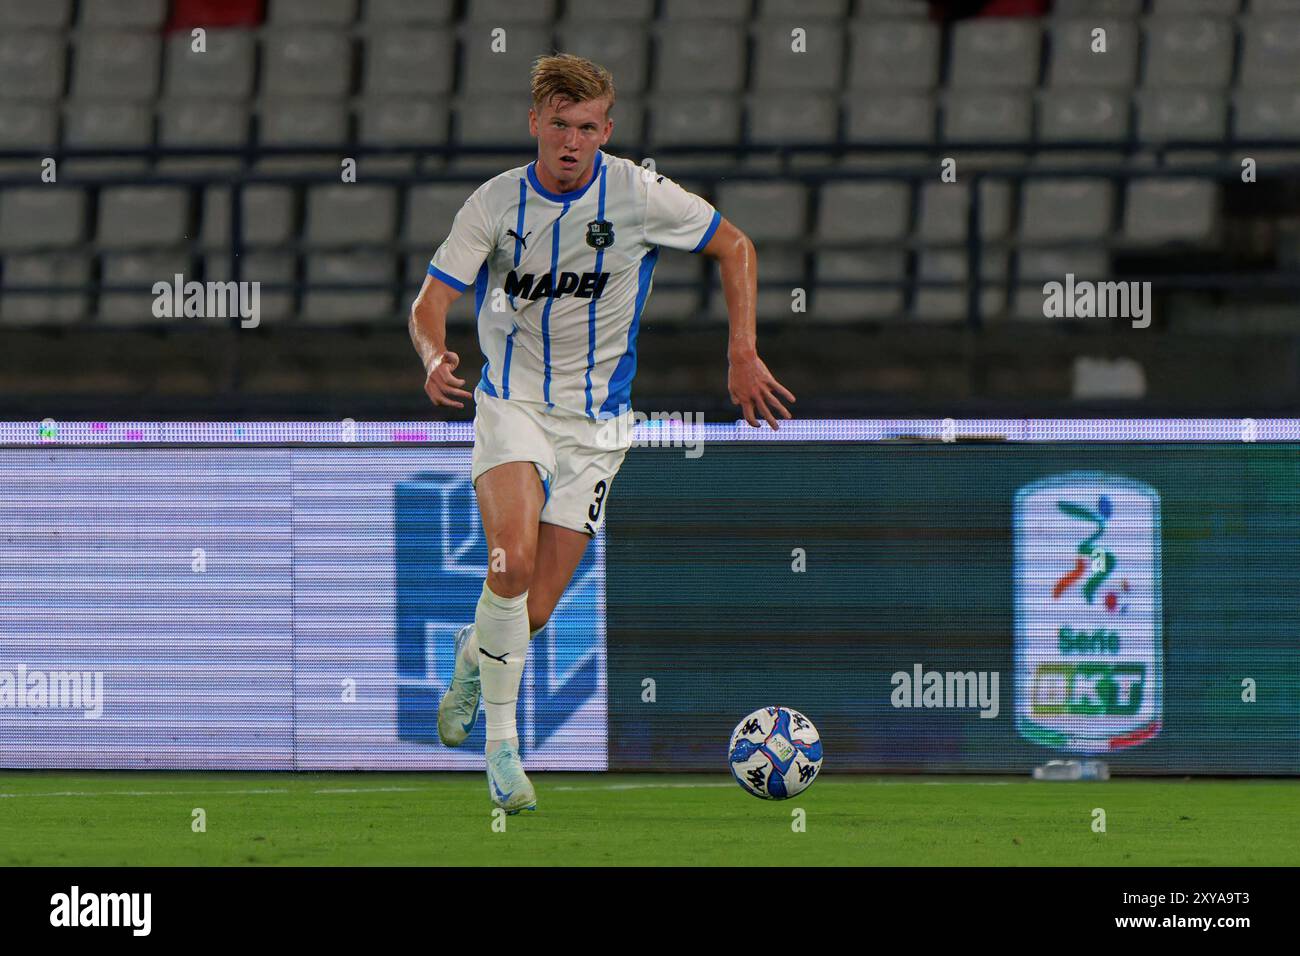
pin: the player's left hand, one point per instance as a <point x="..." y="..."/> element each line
<point x="754" y="388"/>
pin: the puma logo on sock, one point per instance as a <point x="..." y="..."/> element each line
<point x="502" y="658"/>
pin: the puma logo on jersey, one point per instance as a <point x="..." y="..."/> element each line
<point x="522" y="240"/>
<point x="589" y="285"/>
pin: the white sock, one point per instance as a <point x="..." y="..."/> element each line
<point x="501" y="626"/>
<point x="469" y="650"/>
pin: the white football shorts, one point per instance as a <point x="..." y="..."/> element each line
<point x="576" y="457"/>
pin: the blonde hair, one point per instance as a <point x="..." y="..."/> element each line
<point x="570" y="77"/>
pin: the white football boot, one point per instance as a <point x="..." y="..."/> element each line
<point x="508" y="785"/>
<point x="458" y="709"/>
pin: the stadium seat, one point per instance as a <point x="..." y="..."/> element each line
<point x="134" y="217"/>
<point x="701" y="56"/>
<point x="197" y="123"/>
<point x="636" y="11"/>
<point x="408" y="62"/>
<point x="1185" y="8"/>
<point x="29" y="125"/>
<point x="24" y="14"/>
<point x="1036" y="267"/>
<point x="817" y="9"/>
<point x="1047" y="264"/>
<point x="951" y="304"/>
<point x="306" y="62"/>
<point x="31" y="65"/>
<point x="303" y="121"/>
<point x="777" y="67"/>
<point x="889" y="118"/>
<point x="350" y="213"/>
<point x="50" y="269"/>
<point x="765" y="211"/>
<point x="833" y="303"/>
<point x="1188" y="51"/>
<point x="704" y="119"/>
<point x="510" y="12"/>
<point x="732" y="10"/>
<point x="119" y="14"/>
<point x="1266" y="114"/>
<point x="1182" y="114"/>
<point x="1063" y="210"/>
<point x="1081" y="115"/>
<point x="407" y="11"/>
<point x="880" y="9"/>
<point x="268" y="215"/>
<point x="117" y="65"/>
<point x="330" y="12"/>
<point x="894" y="54"/>
<point x="1270" y="51"/>
<point x="945" y="207"/>
<point x="140" y="270"/>
<point x="490" y="120"/>
<point x="107" y="123"/>
<point x="994" y="53"/>
<point x="224" y="69"/>
<point x="369" y="306"/>
<point x="629" y="123"/>
<point x="403" y="122"/>
<point x="777" y="118"/>
<point x="264" y="266"/>
<point x="1097" y="8"/>
<point x="484" y="71"/>
<point x="430" y="211"/>
<point x="619" y="47"/>
<point x="851" y="211"/>
<point x="1072" y="61"/>
<point x="675" y="304"/>
<point x="41" y="218"/>
<point x="1171" y="210"/>
<point x="1001" y="116"/>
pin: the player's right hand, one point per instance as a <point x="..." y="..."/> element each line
<point x="441" y="384"/>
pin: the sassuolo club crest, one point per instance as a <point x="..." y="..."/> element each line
<point x="600" y="234"/>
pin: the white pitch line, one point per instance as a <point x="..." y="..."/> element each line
<point x="645" y="786"/>
<point x="599" y="787"/>
<point x="205" y="793"/>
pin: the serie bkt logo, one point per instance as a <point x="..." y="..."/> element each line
<point x="1088" y="612"/>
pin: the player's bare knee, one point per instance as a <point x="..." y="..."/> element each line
<point x="513" y="575"/>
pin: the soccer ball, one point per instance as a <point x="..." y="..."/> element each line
<point x="775" y="753"/>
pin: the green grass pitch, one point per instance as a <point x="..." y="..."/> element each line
<point x="57" y="818"/>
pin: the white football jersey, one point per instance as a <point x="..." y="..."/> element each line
<point x="569" y="274"/>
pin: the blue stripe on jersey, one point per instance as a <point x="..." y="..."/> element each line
<point x="505" y="372"/>
<point x="620" y="383"/>
<point x="546" y="311"/>
<point x="480" y="293"/>
<point x="448" y="279"/>
<point x="591" y="307"/>
<point x="708" y="233"/>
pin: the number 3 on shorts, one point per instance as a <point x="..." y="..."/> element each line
<point x="594" y="511"/>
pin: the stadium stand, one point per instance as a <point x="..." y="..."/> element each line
<point x="1116" y="162"/>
